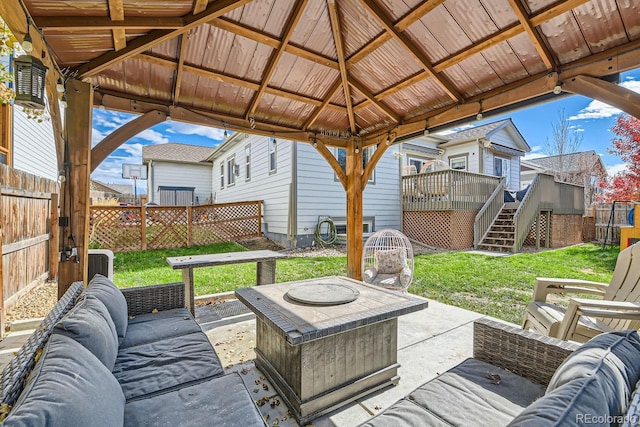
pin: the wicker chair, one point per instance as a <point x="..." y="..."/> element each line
<point x="388" y="260"/>
<point x="618" y="307"/>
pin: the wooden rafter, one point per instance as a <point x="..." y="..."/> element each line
<point x="260" y="37"/>
<point x="417" y="54"/>
<point x="337" y="38"/>
<point x="294" y="18"/>
<point x="177" y="84"/>
<point x="610" y="93"/>
<point x="235" y="81"/>
<point x="101" y="23"/>
<point x="372" y="99"/>
<point x="533" y="34"/>
<point x="199" y="6"/>
<point x="116" y="13"/>
<point x="156" y="37"/>
<point x="333" y="162"/>
<point x="381" y="148"/>
<point x="330" y="94"/>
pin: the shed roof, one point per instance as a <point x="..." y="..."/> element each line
<point x="175" y="152"/>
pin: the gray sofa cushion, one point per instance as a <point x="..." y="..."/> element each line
<point x="154" y="367"/>
<point x="464" y="395"/>
<point x="89" y="323"/>
<point x="104" y="289"/>
<point x="597" y="379"/>
<point x="150" y="327"/>
<point x="222" y="401"/>
<point x="68" y="387"/>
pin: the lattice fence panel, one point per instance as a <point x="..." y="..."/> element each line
<point x="431" y="228"/>
<point x="462" y="229"/>
<point x="116" y="228"/>
<point x="530" y="240"/>
<point x="167" y="227"/>
<point x="225" y="222"/>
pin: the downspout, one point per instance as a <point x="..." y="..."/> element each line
<point x="480" y="156"/>
<point x="150" y="183"/>
<point x="292" y="223"/>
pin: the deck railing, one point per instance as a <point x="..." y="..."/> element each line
<point x="447" y="190"/>
<point x="546" y="194"/>
<point x="486" y="215"/>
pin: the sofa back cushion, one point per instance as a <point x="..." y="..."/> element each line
<point x="90" y="324"/>
<point x="106" y="291"/>
<point x="597" y="380"/>
<point x="68" y="387"/>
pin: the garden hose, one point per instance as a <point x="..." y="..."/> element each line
<point x="325" y="239"/>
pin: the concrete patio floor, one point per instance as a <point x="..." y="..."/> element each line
<point x="430" y="342"/>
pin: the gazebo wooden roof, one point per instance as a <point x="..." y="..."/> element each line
<point x="347" y="73"/>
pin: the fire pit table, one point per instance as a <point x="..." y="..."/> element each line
<point x="325" y="342"/>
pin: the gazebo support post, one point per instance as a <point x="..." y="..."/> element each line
<point x="355" y="188"/>
<point x="74" y="199"/>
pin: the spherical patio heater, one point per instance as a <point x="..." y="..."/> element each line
<point x="29" y="79"/>
<point x="387" y="260"/>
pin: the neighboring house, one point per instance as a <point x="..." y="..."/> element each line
<point x="583" y="168"/>
<point x="178" y="174"/>
<point x="491" y="149"/>
<point x="298" y="187"/>
<point x="102" y="191"/>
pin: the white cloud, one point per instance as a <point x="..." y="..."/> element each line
<point x="189" y="129"/>
<point x="111" y="119"/>
<point x="615" y="169"/>
<point x="152" y="136"/>
<point x="96" y="136"/>
<point x="600" y="110"/>
<point x="533" y="155"/>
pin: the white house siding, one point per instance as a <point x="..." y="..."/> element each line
<point x="34" y="149"/>
<point x="273" y="189"/>
<point x="471" y="149"/>
<point x="173" y="174"/>
<point x="319" y="194"/>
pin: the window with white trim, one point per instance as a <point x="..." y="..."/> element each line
<point x="247" y="162"/>
<point x="221" y="175"/>
<point x="231" y="170"/>
<point x="458" y="163"/>
<point x="341" y="156"/>
<point x="273" y="145"/>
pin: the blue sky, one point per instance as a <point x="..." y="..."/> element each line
<point x="592" y="119"/>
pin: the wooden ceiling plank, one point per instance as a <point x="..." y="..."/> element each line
<point x="607" y="92"/>
<point x="199" y="6"/>
<point x="294" y="18"/>
<point x="533" y="34"/>
<point x="177" y="84"/>
<point x="314" y="116"/>
<point x="408" y="81"/>
<point x="96" y="23"/>
<point x="367" y="94"/>
<point x="156" y="37"/>
<point x="257" y="36"/>
<point x="337" y="38"/>
<point x="417" y="54"/>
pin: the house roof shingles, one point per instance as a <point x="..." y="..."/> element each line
<point x="175" y="152"/>
<point x="571" y="162"/>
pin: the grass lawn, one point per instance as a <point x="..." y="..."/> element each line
<point x="497" y="286"/>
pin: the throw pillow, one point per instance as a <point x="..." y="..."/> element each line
<point x="107" y="292"/>
<point x="390" y="261"/>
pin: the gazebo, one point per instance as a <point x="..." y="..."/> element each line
<point x="334" y="73"/>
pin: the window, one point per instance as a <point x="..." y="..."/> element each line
<point x="341" y="225"/>
<point x="458" y="163"/>
<point x="501" y="168"/>
<point x="231" y="171"/>
<point x="247" y="163"/>
<point x="341" y="156"/>
<point x="221" y="175"/>
<point x="417" y="162"/>
<point x="272" y="156"/>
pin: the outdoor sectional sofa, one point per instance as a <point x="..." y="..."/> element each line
<point x="131" y="357"/>
<point x="521" y="378"/>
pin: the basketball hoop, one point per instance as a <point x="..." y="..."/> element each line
<point x="134" y="172"/>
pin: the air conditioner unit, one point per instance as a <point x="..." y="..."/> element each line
<point x="100" y="262"/>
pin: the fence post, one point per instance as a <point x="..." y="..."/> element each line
<point x="54" y="237"/>
<point x="260" y="218"/>
<point x="189" y="226"/>
<point x="143" y="227"/>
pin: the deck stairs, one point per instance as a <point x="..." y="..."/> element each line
<point x="501" y="235"/>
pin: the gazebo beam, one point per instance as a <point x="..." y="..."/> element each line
<point x="337" y="38"/>
<point x="607" y="92"/>
<point x="75" y="190"/>
<point x="121" y="135"/>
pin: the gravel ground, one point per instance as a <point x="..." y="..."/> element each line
<point x="39" y="301"/>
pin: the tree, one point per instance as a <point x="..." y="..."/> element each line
<point x="565" y="139"/>
<point x="625" y="185"/>
<point x="7" y="43"/>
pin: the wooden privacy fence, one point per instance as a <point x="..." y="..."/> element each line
<point x="604" y="219"/>
<point x="29" y="216"/>
<point x="133" y="228"/>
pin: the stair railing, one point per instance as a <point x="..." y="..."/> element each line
<point x="528" y="211"/>
<point x="488" y="213"/>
